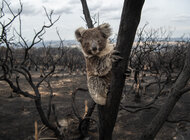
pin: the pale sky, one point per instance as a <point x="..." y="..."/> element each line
<point x="171" y="14"/>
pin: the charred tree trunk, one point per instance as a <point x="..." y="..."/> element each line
<point x="129" y="22"/>
<point x="175" y="94"/>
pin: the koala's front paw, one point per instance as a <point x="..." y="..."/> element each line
<point x="115" y="56"/>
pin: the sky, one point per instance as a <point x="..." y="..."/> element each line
<point x="173" y="15"/>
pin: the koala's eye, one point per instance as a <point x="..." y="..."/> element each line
<point x="86" y="44"/>
<point x="99" y="41"/>
<point x="89" y="52"/>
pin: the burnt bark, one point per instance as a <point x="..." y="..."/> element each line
<point x="176" y="92"/>
<point x="129" y="22"/>
<point x="87" y="14"/>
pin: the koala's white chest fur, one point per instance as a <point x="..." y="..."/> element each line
<point x="99" y="74"/>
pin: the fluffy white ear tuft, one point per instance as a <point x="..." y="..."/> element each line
<point x="78" y="33"/>
<point x="105" y="29"/>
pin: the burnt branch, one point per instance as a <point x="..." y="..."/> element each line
<point x="74" y="107"/>
<point x="4" y="26"/>
<point x="87" y="14"/>
<point x="47" y="75"/>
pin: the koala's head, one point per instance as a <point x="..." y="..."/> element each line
<point x="93" y="40"/>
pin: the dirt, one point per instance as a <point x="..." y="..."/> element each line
<point x="18" y="113"/>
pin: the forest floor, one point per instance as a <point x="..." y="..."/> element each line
<point x="18" y="113"/>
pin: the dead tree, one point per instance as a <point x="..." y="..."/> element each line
<point x="129" y="22"/>
<point x="9" y="68"/>
<point x="178" y="89"/>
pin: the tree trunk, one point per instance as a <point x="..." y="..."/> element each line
<point x="129" y="22"/>
<point x="175" y="94"/>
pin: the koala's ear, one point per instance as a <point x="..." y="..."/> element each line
<point x="105" y="30"/>
<point x="78" y="33"/>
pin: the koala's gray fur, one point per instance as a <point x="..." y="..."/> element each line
<point x="99" y="55"/>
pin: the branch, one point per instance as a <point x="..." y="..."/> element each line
<point x="74" y="104"/>
<point x="1" y="10"/>
<point x="41" y="32"/>
<point x="53" y="69"/>
<point x="14" y="16"/>
<point x="87" y="14"/>
<point x="18" y="90"/>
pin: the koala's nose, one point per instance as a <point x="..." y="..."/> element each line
<point x="94" y="48"/>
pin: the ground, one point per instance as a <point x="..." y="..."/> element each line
<point x="18" y="113"/>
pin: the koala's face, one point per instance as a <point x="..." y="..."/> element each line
<point x="94" y="40"/>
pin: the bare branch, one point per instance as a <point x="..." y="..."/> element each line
<point x="18" y="90"/>
<point x="53" y="69"/>
<point x="14" y="16"/>
<point x="87" y="14"/>
<point x="74" y="105"/>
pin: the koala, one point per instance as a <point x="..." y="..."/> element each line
<point x="99" y="55"/>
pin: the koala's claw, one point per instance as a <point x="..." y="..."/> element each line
<point x="115" y="56"/>
<point x="115" y="52"/>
